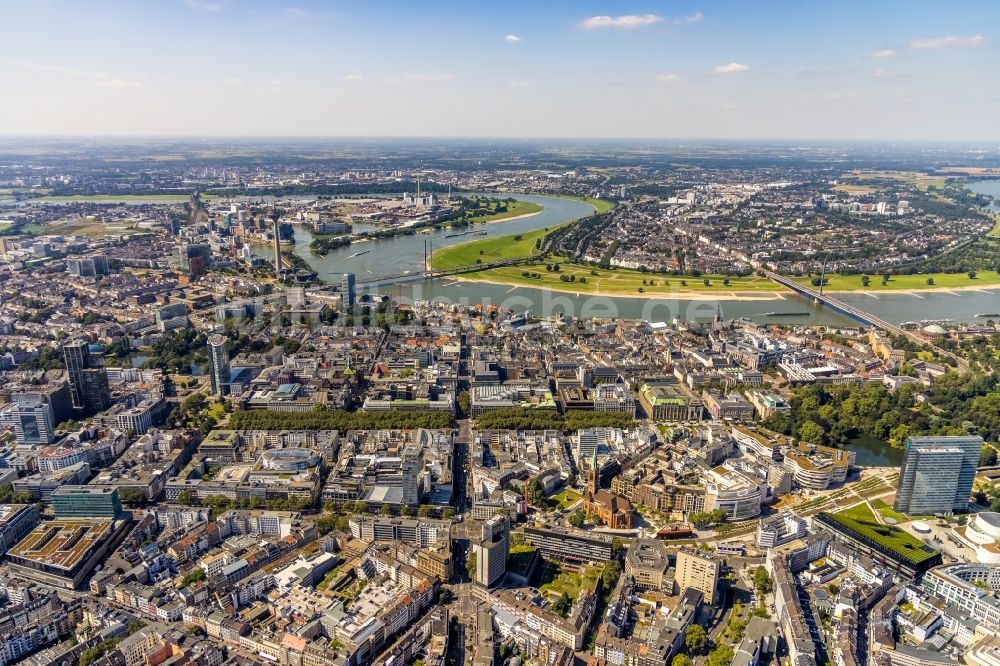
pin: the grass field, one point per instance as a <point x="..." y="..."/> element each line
<point x="849" y="188"/>
<point x="504" y="247"/>
<point x="95" y="229"/>
<point x="922" y="181"/>
<point x="913" y="282"/>
<point x="555" y="581"/>
<point x="887" y="511"/>
<point x="995" y="231"/>
<point x="622" y="282"/>
<point x="864" y="524"/>
<point x="600" y="205"/>
<point x="488" y="249"/>
<point x="563" y="499"/>
<point x="859" y="512"/>
<point x="515" y="209"/>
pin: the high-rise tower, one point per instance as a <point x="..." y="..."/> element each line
<point x="937" y="474"/>
<point x="218" y="364"/>
<point x="347" y="294"/>
<point x="277" y="248"/>
<point x="88" y="379"/>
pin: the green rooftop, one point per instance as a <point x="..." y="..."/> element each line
<point x="863" y="524"/>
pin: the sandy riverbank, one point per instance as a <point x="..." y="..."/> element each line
<point x="912" y="292"/>
<point x="720" y="295"/>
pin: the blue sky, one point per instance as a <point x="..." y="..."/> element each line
<point x="827" y="70"/>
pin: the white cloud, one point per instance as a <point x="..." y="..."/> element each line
<point x="102" y="79"/>
<point x="417" y="78"/>
<point x="45" y="68"/>
<point x="668" y="77"/>
<point x="512" y="39"/>
<point x="353" y="77"/>
<point x="882" y="73"/>
<point x="255" y="88"/>
<point x="203" y="6"/>
<point x="731" y="68"/>
<point x="946" y="42"/>
<point x="117" y="83"/>
<point x="693" y="18"/>
<point x="296" y="12"/>
<point x="884" y="53"/>
<point x="628" y="21"/>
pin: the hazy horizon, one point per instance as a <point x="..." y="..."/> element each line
<point x="856" y="71"/>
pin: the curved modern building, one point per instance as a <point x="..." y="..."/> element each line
<point x="971" y="587"/>
<point x="818" y="467"/>
<point x="982" y="535"/>
<point x="739" y="502"/>
<point x="289" y="460"/>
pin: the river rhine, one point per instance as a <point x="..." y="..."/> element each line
<point x="406" y="253"/>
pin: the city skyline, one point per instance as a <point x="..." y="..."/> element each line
<point x="690" y="70"/>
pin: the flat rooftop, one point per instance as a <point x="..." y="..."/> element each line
<point x="63" y="543"/>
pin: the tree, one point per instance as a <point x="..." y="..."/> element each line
<point x="470" y="565"/>
<point x="762" y="581"/>
<point x="610" y="574"/>
<point x="563" y="604"/>
<point x="720" y="656"/>
<point x="987" y="456"/>
<point x="533" y="492"/>
<point x="464" y="403"/>
<point x="972" y="275"/>
<point x="810" y="431"/>
<point x="930" y="281"/>
<point x="707" y="518"/>
<point x="682" y="660"/>
<point x="133" y="496"/>
<point x="865" y="280"/>
<point x="695" y="639"/>
<point x="577" y="518"/>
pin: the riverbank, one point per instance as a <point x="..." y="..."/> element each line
<point x="515" y="210"/>
<point x="669" y="287"/>
<point x="680" y="294"/>
<point x="584" y="280"/>
<point x="916" y="283"/>
<point x="509" y="246"/>
<point x="118" y="198"/>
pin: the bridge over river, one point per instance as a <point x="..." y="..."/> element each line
<point x="861" y="316"/>
<point x="809" y="292"/>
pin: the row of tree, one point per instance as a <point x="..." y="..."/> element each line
<point x="336" y="419"/>
<point x="519" y="418"/>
